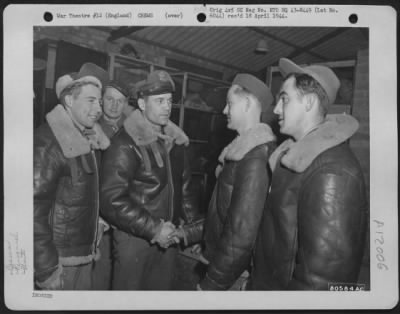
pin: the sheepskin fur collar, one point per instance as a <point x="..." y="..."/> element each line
<point x="142" y="132"/>
<point x="299" y="155"/>
<point x="259" y="134"/>
<point x="73" y="143"/>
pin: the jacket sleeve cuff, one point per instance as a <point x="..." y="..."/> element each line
<point x="53" y="277"/>
<point x="157" y="231"/>
<point x="185" y="239"/>
<point x="193" y="233"/>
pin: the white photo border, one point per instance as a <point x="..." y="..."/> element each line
<point x="19" y="21"/>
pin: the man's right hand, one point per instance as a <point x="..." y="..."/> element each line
<point x="162" y="238"/>
<point x="56" y="284"/>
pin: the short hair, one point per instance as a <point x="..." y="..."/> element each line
<point x="75" y="89"/>
<point x="244" y="92"/>
<point x="104" y="89"/>
<point x="306" y="84"/>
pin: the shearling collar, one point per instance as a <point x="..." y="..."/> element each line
<point x="299" y="155"/>
<point x="259" y="134"/>
<point x="118" y="123"/>
<point x="73" y="143"/>
<point x="142" y="132"/>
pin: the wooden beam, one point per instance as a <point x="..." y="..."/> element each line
<point x="283" y="41"/>
<point x="124" y="31"/>
<point x="316" y="43"/>
<point x="187" y="53"/>
<point x="179" y="51"/>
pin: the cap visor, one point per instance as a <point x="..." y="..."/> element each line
<point x="122" y="90"/>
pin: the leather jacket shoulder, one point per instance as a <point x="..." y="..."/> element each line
<point x="121" y="166"/>
<point x="333" y="197"/>
<point x="234" y="216"/>
<point x="142" y="184"/>
<point x="313" y="227"/>
<point x="65" y="205"/>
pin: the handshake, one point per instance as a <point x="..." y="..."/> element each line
<point x="168" y="234"/>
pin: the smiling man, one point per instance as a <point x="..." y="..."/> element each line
<point x="237" y="203"/>
<point x="145" y="189"/>
<point x="66" y="196"/>
<point x="312" y="233"/>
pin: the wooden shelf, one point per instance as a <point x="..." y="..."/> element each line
<point x="141" y="64"/>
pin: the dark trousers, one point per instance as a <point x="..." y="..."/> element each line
<point x="141" y="266"/>
<point x="102" y="268"/>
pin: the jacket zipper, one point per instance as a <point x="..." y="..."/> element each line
<point x="293" y="262"/>
<point x="170" y="184"/>
<point x="96" y="174"/>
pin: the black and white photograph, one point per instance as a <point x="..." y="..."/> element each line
<point x="207" y="157"/>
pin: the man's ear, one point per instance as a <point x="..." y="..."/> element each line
<point x="141" y="104"/>
<point x="68" y="100"/>
<point x="311" y="101"/>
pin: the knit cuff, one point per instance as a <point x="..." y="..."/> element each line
<point x="53" y="277"/>
<point x="157" y="232"/>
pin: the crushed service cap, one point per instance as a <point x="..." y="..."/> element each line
<point x="120" y="86"/>
<point x="322" y="74"/>
<point x="256" y="87"/>
<point x="157" y="82"/>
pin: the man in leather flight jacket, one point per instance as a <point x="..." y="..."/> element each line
<point x="238" y="199"/>
<point x="66" y="196"/>
<point x="145" y="189"/>
<point x="312" y="232"/>
<point x="115" y="109"/>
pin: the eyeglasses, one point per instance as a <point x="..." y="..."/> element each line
<point x="120" y="101"/>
